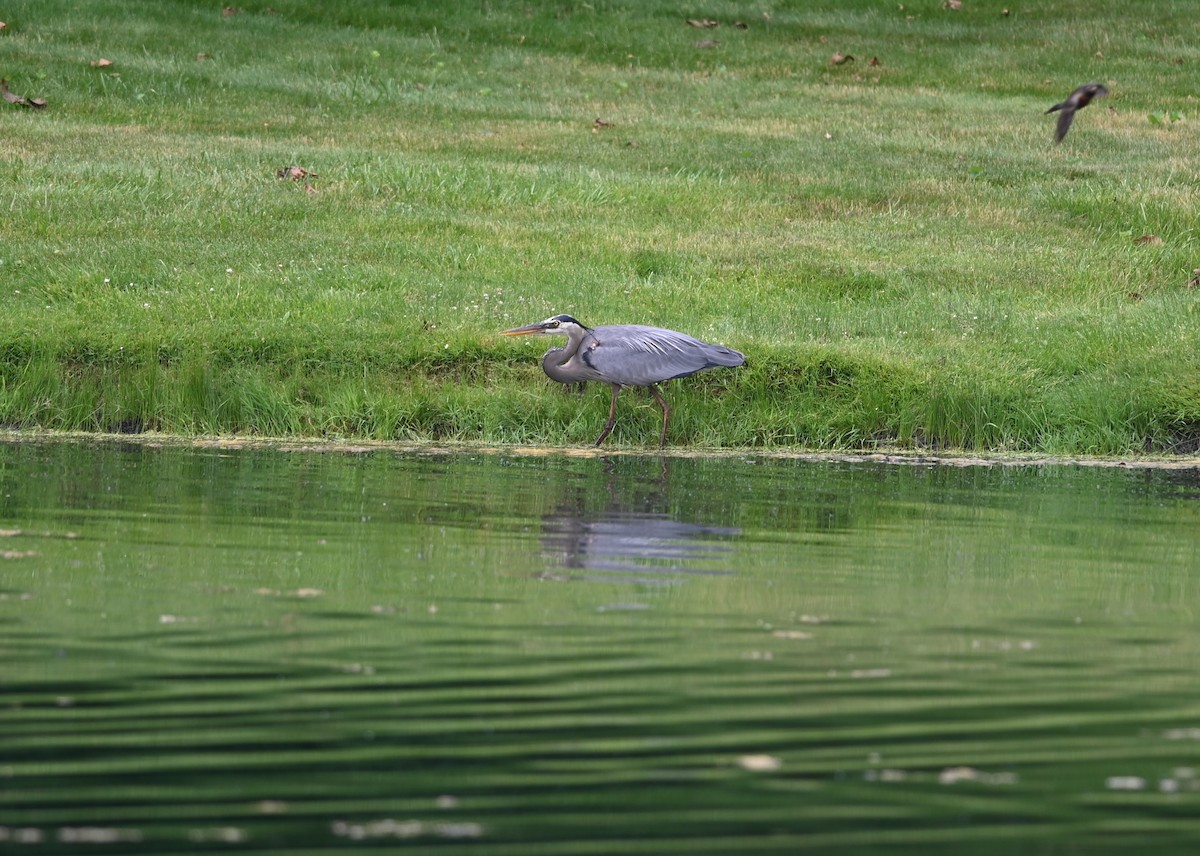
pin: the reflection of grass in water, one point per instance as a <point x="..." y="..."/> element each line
<point x="929" y="654"/>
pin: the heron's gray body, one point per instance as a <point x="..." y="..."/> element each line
<point x="625" y="355"/>
<point x="634" y="355"/>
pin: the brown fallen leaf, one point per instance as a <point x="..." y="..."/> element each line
<point x="100" y="63"/>
<point x="839" y="58"/>
<point x="3" y="26"/>
<point x="952" y="4"/>
<point x="1194" y="282"/>
<point x="201" y="57"/>
<point x="8" y="96"/>
<point x="707" y="43"/>
<point x="229" y="11"/>
<point x="1005" y="12"/>
<point x="600" y="123"/>
<point x="874" y="61"/>
<point x="702" y="23"/>
<point x="295" y="173"/>
<point x="20" y="100"/>
<point x="1148" y="239"/>
<point x="308" y="188"/>
<point x="741" y="25"/>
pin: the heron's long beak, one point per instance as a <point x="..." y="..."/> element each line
<point x="527" y="330"/>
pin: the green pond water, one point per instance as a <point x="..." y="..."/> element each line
<point x="263" y="651"/>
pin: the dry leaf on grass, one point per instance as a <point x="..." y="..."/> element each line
<point x="295" y="173"/>
<point x="1149" y="239"/>
<point x="20" y="100"/>
<point x="8" y="96"/>
<point x="702" y="23"/>
<point x="100" y="63"/>
<point x="1194" y="282"/>
<point x="839" y="58"/>
<point x="707" y="43"/>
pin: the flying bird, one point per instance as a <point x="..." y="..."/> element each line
<point x="625" y="355"/>
<point x="1077" y="100"/>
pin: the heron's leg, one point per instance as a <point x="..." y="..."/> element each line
<point x="612" y="415"/>
<point x="662" y="438"/>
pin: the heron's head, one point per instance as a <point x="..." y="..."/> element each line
<point x="562" y="325"/>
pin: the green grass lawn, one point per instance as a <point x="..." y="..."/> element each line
<point x="896" y="243"/>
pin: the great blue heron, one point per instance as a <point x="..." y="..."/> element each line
<point x="625" y="355"/>
<point x="1077" y="100"/>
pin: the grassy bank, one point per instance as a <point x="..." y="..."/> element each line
<point x="899" y="248"/>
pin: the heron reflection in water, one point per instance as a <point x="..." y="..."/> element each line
<point x="633" y="528"/>
<point x="625" y="355"/>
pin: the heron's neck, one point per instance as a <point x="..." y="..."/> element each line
<point x="552" y="363"/>
<point x="555" y="361"/>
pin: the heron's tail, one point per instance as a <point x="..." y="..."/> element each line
<point x="719" y="355"/>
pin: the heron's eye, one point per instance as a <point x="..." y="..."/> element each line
<point x="554" y="324"/>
